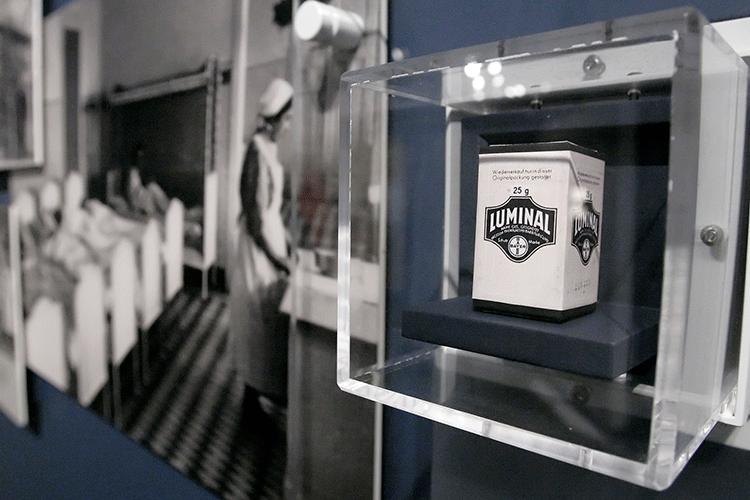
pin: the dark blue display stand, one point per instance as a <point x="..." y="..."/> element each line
<point x="605" y="343"/>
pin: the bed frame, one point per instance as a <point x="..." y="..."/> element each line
<point x="114" y="303"/>
<point x="208" y="77"/>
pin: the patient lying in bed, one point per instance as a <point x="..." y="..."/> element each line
<point x="53" y="256"/>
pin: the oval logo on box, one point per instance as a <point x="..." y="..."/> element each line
<point x="520" y="227"/>
<point x="585" y="229"/>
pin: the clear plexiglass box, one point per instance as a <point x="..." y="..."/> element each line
<point x="630" y="390"/>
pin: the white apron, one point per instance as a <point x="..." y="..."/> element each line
<point x="258" y="331"/>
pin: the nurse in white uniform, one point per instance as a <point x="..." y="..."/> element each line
<point x="258" y="332"/>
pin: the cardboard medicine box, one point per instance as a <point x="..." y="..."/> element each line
<point x="538" y="230"/>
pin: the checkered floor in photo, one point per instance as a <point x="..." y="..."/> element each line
<point x="191" y="412"/>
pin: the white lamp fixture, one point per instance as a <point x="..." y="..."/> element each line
<point x="328" y="25"/>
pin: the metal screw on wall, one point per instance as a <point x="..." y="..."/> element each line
<point x="580" y="394"/>
<point x="593" y="66"/>
<point x="634" y="94"/>
<point x="711" y="235"/>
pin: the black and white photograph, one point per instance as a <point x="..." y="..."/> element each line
<point x="20" y="83"/>
<point x="168" y="246"/>
<point x="13" y="396"/>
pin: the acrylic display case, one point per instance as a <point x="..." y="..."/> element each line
<point x="663" y="99"/>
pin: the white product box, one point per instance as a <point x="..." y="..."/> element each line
<point x="538" y="230"/>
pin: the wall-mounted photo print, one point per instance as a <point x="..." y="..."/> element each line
<point x="21" y="114"/>
<point x="13" y="395"/>
<point x="188" y="199"/>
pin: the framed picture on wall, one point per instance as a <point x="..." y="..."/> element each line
<point x="13" y="395"/>
<point x="21" y="120"/>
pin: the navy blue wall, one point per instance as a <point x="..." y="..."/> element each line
<point x="69" y="452"/>
<point x="50" y="5"/>
<point x="412" y="467"/>
<point x="426" y="26"/>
